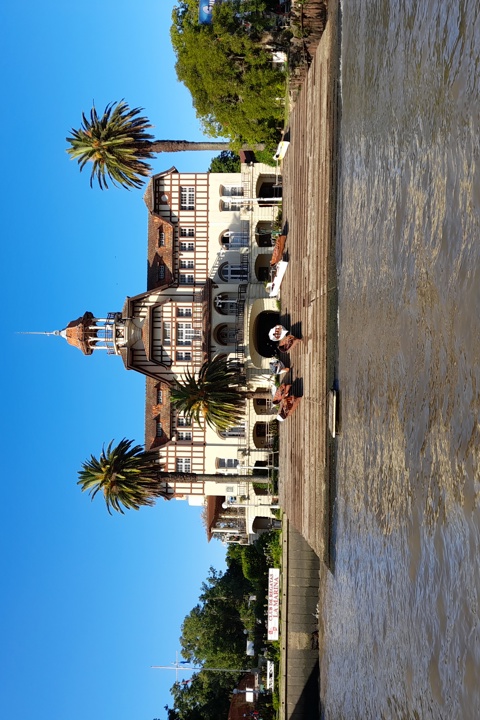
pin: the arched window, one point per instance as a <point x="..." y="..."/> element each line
<point x="226" y="303"/>
<point x="262" y="436"/>
<point x="231" y="197"/>
<point x="231" y="240"/>
<point x="238" y="431"/>
<point x="232" y="273"/>
<point x="226" y="334"/>
<point x="226" y="463"/>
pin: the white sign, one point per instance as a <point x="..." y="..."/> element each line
<point x="270" y="675"/>
<point x="273" y="620"/>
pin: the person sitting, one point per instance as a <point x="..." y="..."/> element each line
<point x="285" y="340"/>
<point x="287" y="406"/>
<point x="278" y="332"/>
<point x="282" y="392"/>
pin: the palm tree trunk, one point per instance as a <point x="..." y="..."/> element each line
<point x="258" y="395"/>
<point x="191" y="477"/>
<point x="159" y="146"/>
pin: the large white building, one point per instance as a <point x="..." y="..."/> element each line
<point x="209" y="250"/>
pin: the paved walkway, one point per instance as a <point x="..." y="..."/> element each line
<point x="309" y="294"/>
<point x="299" y="669"/>
<point x="309" y="309"/>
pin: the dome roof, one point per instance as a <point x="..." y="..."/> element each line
<point x="79" y="332"/>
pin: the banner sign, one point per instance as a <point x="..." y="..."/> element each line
<point x="205" y="10"/>
<point x="273" y="603"/>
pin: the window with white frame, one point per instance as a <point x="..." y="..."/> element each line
<point x="183" y="465"/>
<point x="231" y="204"/>
<point x="231" y="240"/>
<point x="187" y="279"/>
<point x="183" y="421"/>
<point x="159" y="430"/>
<point x="187" y="198"/>
<point x="187" y="246"/>
<point x="184" y="435"/>
<point x="184" y="312"/>
<point x="187" y="264"/>
<point x="229" y="272"/>
<point x="167" y="333"/>
<point x="235" y="431"/>
<point x="161" y="238"/>
<point x="161" y="271"/>
<point x="227" y="463"/>
<point x="183" y="356"/>
<point x="187" y="232"/>
<point x="159" y="397"/>
<point x="185" y="334"/>
<point x="232" y="190"/>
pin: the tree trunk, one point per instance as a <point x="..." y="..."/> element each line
<point x="159" y="146"/>
<point x="191" y="477"/>
<point x="259" y="395"/>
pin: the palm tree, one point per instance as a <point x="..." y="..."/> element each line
<point x="129" y="477"/>
<point x="213" y="395"/>
<point x="118" y="145"/>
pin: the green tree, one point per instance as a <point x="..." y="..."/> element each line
<point x="226" y="162"/>
<point x="236" y="90"/>
<point x="118" y="144"/>
<point x="125" y="474"/>
<point x="212" y="635"/>
<point x="224" y="607"/>
<point x="205" y="696"/>
<point x="212" y="396"/>
<point x="129" y="477"/>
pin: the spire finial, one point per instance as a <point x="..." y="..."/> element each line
<point x="38" y="332"/>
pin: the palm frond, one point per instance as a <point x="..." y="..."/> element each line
<point x="116" y="143"/>
<point x="128" y="477"/>
<point x="213" y="396"/>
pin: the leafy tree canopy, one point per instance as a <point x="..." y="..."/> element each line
<point x="226" y="162"/>
<point x="227" y="68"/>
<point x="213" y="632"/>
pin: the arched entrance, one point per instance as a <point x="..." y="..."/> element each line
<point x="264" y="322"/>
<point x="268" y="187"/>
<point x="263" y="406"/>
<point x="263" y="234"/>
<point x="261" y="524"/>
<point x="262" y="267"/>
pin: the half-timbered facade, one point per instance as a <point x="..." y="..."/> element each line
<point x="209" y="250"/>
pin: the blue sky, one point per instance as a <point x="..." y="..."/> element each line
<point x="88" y="601"/>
